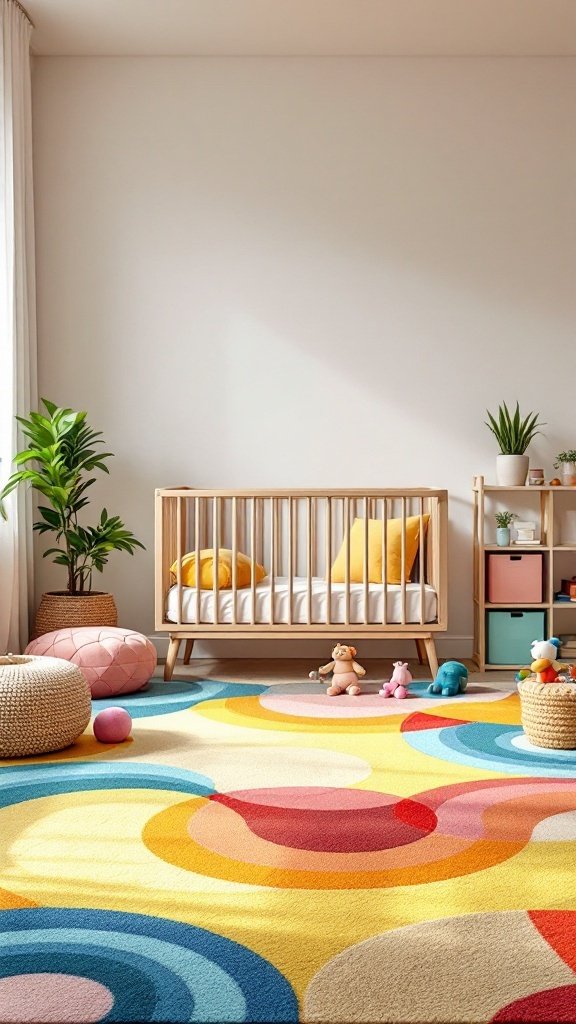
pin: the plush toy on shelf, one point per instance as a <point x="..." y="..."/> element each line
<point x="345" y="672"/>
<point x="397" y="685"/>
<point x="451" y="679"/>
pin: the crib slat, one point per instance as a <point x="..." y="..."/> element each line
<point x="384" y="561"/>
<point x="309" y="560"/>
<point x="179" y="559"/>
<point x="273" y="532"/>
<point x="347" y="572"/>
<point x="234" y="558"/>
<point x="197" y="502"/>
<point x="421" y="558"/>
<point x="290" y="560"/>
<point x="253" y="559"/>
<point x="366" y="566"/>
<point x="216" y="547"/>
<point x="328" y="538"/>
<point x="403" y="560"/>
<point x="277" y="520"/>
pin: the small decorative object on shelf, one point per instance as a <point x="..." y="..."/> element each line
<point x="536" y="477"/>
<point x="525" y="533"/>
<point x="513" y="434"/>
<point x="566" y="462"/>
<point x="503" y="520"/>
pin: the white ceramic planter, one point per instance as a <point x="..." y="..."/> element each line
<point x="568" y="474"/>
<point x="512" y="470"/>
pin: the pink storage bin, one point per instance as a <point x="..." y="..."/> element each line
<point x="515" y="578"/>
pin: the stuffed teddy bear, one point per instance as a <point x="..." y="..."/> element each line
<point x="544" y="663"/>
<point x="346" y="671"/>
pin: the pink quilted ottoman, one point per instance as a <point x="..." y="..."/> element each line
<point x="113" y="660"/>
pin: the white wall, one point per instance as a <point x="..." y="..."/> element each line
<point x="299" y="272"/>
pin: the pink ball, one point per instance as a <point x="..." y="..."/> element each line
<point x="113" y="725"/>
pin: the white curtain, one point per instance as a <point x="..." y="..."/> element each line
<point x="17" y="315"/>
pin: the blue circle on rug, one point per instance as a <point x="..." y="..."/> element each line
<point x="32" y="781"/>
<point x="159" y="698"/>
<point x="155" y="969"/>
<point x="497" y="748"/>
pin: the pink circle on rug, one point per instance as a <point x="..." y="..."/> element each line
<point x="113" y="660"/>
<point x="311" y="705"/>
<point x="53" y="998"/>
<point x="367" y="705"/>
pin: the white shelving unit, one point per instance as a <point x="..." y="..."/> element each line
<point x="560" y="615"/>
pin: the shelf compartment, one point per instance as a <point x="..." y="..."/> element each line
<point x="514" y="577"/>
<point x="510" y="632"/>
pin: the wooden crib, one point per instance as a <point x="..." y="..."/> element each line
<point x="295" y="536"/>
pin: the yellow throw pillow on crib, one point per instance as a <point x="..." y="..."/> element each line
<point x="243" y="569"/>
<point x="393" y="550"/>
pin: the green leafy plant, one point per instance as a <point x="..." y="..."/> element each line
<point x="61" y="455"/>
<point x="569" y="456"/>
<point x="513" y="433"/>
<point x="504" y="519"/>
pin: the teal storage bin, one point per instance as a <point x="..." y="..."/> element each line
<point x="509" y="635"/>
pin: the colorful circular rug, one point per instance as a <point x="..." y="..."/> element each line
<point x="268" y="853"/>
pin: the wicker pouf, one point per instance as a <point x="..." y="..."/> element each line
<point x="549" y="713"/>
<point x="44" y="705"/>
<point x="59" y="610"/>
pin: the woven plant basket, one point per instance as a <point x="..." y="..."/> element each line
<point x="549" y="713"/>
<point x="44" y="705"/>
<point x="59" y="610"/>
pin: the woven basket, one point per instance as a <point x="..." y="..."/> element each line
<point x="549" y="713"/>
<point x="59" y="610"/>
<point x="44" y="705"/>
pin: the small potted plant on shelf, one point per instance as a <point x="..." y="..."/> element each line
<point x="503" y="521"/>
<point x="566" y="462"/>
<point x="61" y="456"/>
<point x="513" y="434"/>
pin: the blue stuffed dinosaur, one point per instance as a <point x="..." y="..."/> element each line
<point x="452" y="679"/>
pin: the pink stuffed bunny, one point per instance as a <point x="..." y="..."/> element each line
<point x="397" y="686"/>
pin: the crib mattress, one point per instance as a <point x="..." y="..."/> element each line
<point x="300" y="603"/>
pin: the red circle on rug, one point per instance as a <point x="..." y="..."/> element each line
<point x="331" y="820"/>
<point x="552" y="1006"/>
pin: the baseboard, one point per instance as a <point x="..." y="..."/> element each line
<point x="447" y="646"/>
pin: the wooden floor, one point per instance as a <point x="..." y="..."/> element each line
<point x="295" y="670"/>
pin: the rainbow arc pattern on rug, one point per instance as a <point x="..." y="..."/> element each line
<point x="268" y="853"/>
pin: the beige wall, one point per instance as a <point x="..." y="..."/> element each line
<point x="301" y="272"/>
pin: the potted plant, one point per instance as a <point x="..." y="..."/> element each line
<point x="61" y="456"/>
<point x="503" y="520"/>
<point x="513" y="434"/>
<point x="566" y="461"/>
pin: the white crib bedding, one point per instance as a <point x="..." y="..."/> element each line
<point x="300" y="603"/>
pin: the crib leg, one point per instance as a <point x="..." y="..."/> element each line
<point x="171" y="658"/>
<point x="430" y="647"/>
<point x="188" y="652"/>
<point x="421" y="651"/>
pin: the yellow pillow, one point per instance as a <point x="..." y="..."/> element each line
<point x="243" y="569"/>
<point x="393" y="550"/>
